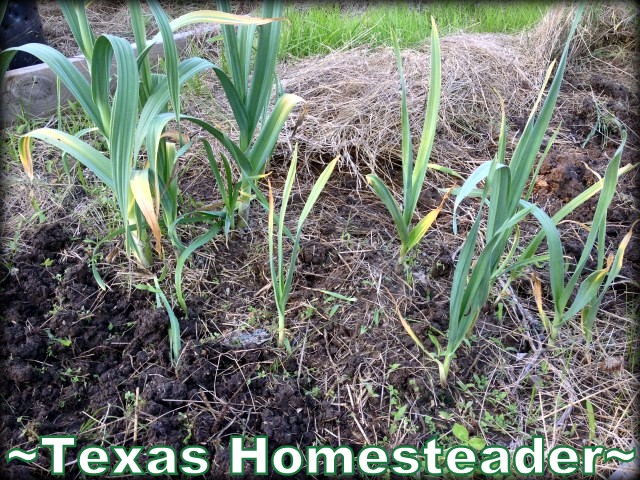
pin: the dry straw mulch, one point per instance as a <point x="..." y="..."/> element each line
<point x="353" y="96"/>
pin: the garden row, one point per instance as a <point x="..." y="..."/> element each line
<point x="141" y="129"/>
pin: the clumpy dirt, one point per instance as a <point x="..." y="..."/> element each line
<point x="96" y="364"/>
<point x="93" y="363"/>
<point x="75" y="353"/>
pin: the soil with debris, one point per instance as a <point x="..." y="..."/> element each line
<point x="77" y="357"/>
<point x="113" y="18"/>
<point x="96" y="364"/>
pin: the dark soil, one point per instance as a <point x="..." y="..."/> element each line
<point x="75" y="353"/>
<point x="118" y="344"/>
<point x="112" y="17"/>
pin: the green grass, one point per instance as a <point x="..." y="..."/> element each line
<point x="319" y="29"/>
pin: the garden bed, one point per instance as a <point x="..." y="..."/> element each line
<point x="93" y="363"/>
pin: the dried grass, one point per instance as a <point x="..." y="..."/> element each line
<point x="353" y="96"/>
<point x="601" y="26"/>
